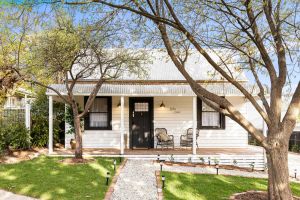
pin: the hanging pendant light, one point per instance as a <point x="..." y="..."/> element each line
<point x="162" y="105"/>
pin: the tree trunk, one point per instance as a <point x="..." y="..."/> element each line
<point x="271" y="194"/>
<point x="278" y="182"/>
<point x="78" y="138"/>
<point x="78" y="133"/>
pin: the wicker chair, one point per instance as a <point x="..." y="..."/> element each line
<point x="186" y="140"/>
<point x="162" y="143"/>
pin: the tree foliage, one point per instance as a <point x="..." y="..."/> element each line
<point x="261" y="37"/>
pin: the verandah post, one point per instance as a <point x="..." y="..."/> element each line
<point x="50" y="143"/>
<point x="122" y="129"/>
<point x="27" y="113"/>
<point x="194" y="124"/>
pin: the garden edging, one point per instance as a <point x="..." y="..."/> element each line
<point x="159" y="185"/>
<point x="110" y="190"/>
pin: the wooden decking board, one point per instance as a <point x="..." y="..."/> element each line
<point x="176" y="151"/>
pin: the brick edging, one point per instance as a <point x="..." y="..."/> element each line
<point x="111" y="188"/>
<point x="159" y="185"/>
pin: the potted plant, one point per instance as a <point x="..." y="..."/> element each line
<point x="202" y="160"/>
<point x="70" y="121"/>
<point x="73" y="143"/>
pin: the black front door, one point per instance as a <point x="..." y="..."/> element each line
<point x="141" y="122"/>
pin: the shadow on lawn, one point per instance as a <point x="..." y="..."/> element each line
<point x="211" y="187"/>
<point x="46" y="178"/>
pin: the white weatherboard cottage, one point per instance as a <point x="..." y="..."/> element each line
<point x="127" y="111"/>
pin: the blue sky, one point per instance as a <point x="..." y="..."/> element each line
<point x="79" y="15"/>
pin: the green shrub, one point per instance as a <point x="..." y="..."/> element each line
<point x="295" y="148"/>
<point x="70" y="120"/>
<point x="14" y="136"/>
<point x="40" y="120"/>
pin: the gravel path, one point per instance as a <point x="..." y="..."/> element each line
<point x="4" y="195"/>
<point x="294" y="163"/>
<point x="199" y="170"/>
<point x="136" y="181"/>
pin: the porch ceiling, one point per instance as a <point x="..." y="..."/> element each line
<point x="224" y="89"/>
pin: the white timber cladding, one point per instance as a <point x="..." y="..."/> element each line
<point x="105" y="138"/>
<point x="176" y="117"/>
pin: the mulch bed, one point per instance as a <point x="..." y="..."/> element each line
<point x="15" y="156"/>
<point x="74" y="161"/>
<point x="253" y="195"/>
<point x="202" y="165"/>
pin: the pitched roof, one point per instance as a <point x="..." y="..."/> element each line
<point x="161" y="67"/>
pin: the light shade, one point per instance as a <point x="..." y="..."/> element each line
<point x="162" y="105"/>
<point x="119" y="104"/>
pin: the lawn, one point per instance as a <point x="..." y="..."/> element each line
<point x="46" y="178"/>
<point x="211" y="187"/>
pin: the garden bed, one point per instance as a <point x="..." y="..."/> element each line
<point x="74" y="161"/>
<point x="202" y="165"/>
<point x="253" y="195"/>
<point x="15" y="156"/>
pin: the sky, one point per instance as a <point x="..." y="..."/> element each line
<point x="294" y="75"/>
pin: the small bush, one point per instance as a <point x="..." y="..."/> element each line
<point x="14" y="136"/>
<point x="295" y="148"/>
<point x="70" y="120"/>
<point x="40" y="120"/>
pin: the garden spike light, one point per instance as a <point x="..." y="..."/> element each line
<point x="115" y="163"/>
<point x="217" y="168"/>
<point x="107" y="177"/>
<point x="163" y="178"/>
<point x="161" y="165"/>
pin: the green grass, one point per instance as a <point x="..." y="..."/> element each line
<point x="187" y="186"/>
<point x="45" y="178"/>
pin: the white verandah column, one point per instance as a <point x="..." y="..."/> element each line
<point x="27" y="113"/>
<point x="122" y="128"/>
<point x="194" y="124"/>
<point x="50" y="143"/>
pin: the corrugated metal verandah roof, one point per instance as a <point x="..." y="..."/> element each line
<point x="224" y="89"/>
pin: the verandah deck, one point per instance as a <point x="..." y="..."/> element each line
<point x="251" y="150"/>
<point x="244" y="157"/>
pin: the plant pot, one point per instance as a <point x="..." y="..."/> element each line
<point x="73" y="144"/>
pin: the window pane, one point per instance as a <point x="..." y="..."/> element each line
<point x="210" y="119"/>
<point x="99" y="105"/>
<point x="140" y="107"/>
<point x="205" y="107"/>
<point x="98" y="119"/>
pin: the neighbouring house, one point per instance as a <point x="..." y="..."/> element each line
<point x="127" y="110"/>
<point x="294" y="143"/>
<point x="17" y="106"/>
<point x="18" y="99"/>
